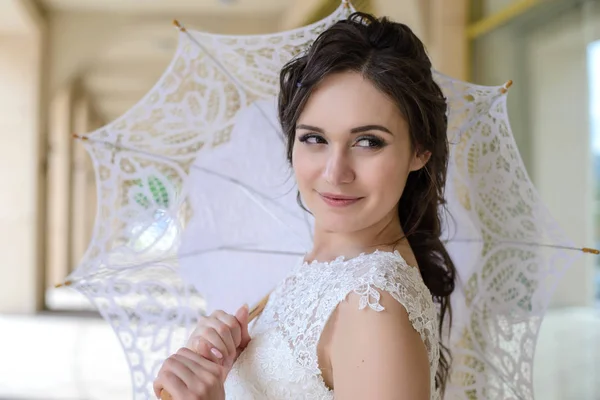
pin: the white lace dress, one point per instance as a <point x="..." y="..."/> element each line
<point x="281" y="360"/>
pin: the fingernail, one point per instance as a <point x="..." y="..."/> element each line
<point x="246" y="306"/>
<point x="216" y="352"/>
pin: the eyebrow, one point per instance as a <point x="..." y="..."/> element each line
<point x="359" y="129"/>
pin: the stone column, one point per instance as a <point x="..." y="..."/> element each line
<point x="58" y="189"/>
<point x="79" y="196"/>
<point x="21" y="163"/>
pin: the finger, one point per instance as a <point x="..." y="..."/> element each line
<point x="224" y="332"/>
<point x="193" y="340"/>
<point x="172" y="384"/>
<point x="157" y="387"/>
<point x="204" y="349"/>
<point x="183" y="368"/>
<point x="210" y="335"/>
<point x="204" y="374"/>
<point x="232" y="323"/>
<point x="243" y="315"/>
<point x="158" y="384"/>
<point x="196" y="361"/>
<point x="196" y="332"/>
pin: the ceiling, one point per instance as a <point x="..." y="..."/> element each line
<point x="118" y="49"/>
<point x="133" y="41"/>
<point x="179" y="7"/>
<point x="125" y="70"/>
<point x="13" y="18"/>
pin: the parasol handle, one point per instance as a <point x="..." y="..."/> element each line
<point x="255" y="312"/>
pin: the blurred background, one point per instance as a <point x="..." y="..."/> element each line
<point x="71" y="66"/>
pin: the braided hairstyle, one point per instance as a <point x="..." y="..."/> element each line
<point x="394" y="60"/>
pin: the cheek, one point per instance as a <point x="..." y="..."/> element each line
<point x="304" y="169"/>
<point x="388" y="179"/>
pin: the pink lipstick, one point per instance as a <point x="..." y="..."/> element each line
<point x="338" y="200"/>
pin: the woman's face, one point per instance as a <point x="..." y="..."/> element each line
<point x="352" y="154"/>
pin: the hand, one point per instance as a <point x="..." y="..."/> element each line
<point x="221" y="338"/>
<point x="188" y="376"/>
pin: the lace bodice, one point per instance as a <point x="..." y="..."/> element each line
<point x="281" y="360"/>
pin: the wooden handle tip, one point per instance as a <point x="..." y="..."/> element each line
<point x="178" y="25"/>
<point x="164" y="395"/>
<point x="65" y="283"/>
<point x="507" y="85"/>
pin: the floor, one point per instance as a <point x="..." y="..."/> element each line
<point x="66" y="358"/>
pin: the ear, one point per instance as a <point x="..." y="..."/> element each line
<point x="419" y="160"/>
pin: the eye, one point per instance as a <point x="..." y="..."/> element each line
<point x="370" y="142"/>
<point x="312" y="138"/>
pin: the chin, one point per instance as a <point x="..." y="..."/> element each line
<point x="339" y="223"/>
<point x="340" y="220"/>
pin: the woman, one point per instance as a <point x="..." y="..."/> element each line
<point x="361" y="317"/>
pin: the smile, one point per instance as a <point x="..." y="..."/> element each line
<point x="335" y="200"/>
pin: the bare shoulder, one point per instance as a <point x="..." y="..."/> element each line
<point x="377" y="354"/>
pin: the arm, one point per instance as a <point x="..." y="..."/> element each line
<point x="378" y="355"/>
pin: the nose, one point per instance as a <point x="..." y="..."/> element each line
<point x="338" y="169"/>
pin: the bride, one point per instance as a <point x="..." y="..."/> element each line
<point x="361" y="317"/>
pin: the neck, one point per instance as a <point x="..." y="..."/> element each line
<point x="384" y="235"/>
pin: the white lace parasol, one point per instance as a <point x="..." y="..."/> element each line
<point x="185" y="198"/>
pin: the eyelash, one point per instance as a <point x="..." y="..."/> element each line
<point x="375" y="142"/>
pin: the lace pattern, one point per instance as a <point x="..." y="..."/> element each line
<point x="131" y="271"/>
<point x="298" y="309"/>
<point x="143" y="161"/>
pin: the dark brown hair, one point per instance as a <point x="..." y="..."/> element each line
<point x="394" y="60"/>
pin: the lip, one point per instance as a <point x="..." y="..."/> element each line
<point x="339" y="200"/>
